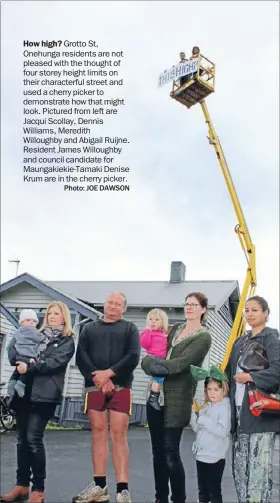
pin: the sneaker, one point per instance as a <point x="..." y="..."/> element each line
<point x="123" y="497"/>
<point x="92" y="493"/>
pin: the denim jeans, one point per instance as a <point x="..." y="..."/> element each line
<point x="31" y="421"/>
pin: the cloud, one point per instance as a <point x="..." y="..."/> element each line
<point x="178" y="207"/>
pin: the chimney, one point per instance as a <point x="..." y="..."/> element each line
<point x="177" y="272"/>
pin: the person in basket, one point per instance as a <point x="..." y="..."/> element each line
<point x="253" y="436"/>
<point x="213" y="434"/>
<point x="154" y="340"/>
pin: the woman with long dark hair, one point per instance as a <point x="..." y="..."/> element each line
<point x="188" y="344"/>
<point x="254" y="436"/>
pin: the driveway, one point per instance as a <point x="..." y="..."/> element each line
<point x="69" y="466"/>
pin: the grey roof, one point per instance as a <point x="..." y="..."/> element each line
<point x="150" y="293"/>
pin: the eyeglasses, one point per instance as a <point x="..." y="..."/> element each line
<point x="191" y="305"/>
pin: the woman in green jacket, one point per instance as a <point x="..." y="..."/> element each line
<point x="188" y="344"/>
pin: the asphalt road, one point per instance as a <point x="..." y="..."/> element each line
<point x="69" y="466"/>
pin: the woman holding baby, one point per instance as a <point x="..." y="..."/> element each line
<point x="41" y="359"/>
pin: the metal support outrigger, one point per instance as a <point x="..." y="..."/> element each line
<point x="200" y="85"/>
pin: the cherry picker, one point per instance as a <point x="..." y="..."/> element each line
<point x="190" y="90"/>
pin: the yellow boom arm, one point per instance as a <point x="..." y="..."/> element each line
<point x="243" y="233"/>
<point x="196" y="89"/>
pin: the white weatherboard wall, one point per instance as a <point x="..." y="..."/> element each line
<point x="24" y="296"/>
<point x="6" y="370"/>
<point x="220" y="330"/>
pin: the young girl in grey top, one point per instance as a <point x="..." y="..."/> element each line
<point x="213" y="434"/>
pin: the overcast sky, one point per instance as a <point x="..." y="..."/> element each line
<point x="178" y="207"/>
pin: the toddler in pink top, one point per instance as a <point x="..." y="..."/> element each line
<point x="154" y="340"/>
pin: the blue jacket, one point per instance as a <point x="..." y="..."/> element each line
<point x="213" y="432"/>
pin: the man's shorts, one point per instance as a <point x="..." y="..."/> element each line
<point x="119" y="401"/>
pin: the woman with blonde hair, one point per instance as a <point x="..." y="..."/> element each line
<point x="44" y="387"/>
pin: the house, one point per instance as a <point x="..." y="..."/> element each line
<point x="26" y="291"/>
<point x="8" y="323"/>
<point x="85" y="300"/>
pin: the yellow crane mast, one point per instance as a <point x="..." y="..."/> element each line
<point x="196" y="82"/>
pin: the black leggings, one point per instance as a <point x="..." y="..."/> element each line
<point x="209" y="477"/>
<point x="167" y="462"/>
<point x="31" y="423"/>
